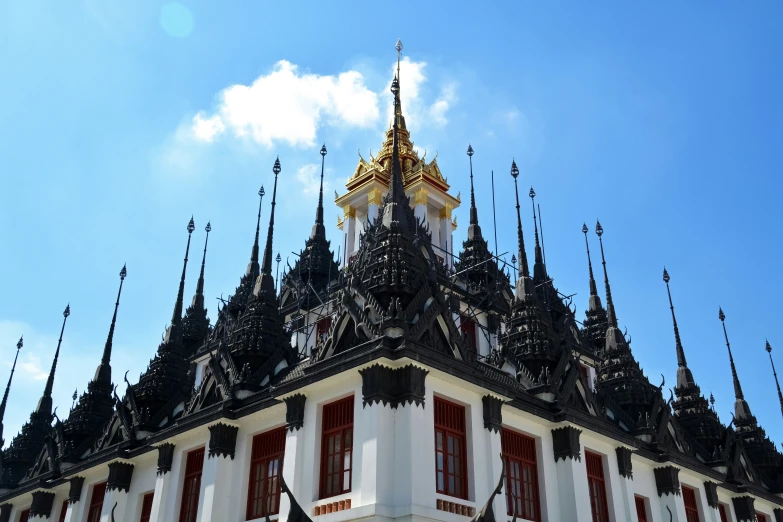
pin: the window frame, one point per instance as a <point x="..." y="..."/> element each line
<point x="641" y="507"/>
<point x="467" y="328"/>
<point x="596" y="485"/>
<point x="273" y="449"/>
<point x="690" y="501"/>
<point x="516" y="457"/>
<point x="724" y="516"/>
<point x="63" y="511"/>
<point x="95" y="516"/>
<point x="322" y="327"/>
<point x="24" y="516"/>
<point x="194" y="475"/>
<point x="761" y="517"/>
<point x="146" y="516"/>
<point x="345" y="430"/>
<point x="458" y="433"/>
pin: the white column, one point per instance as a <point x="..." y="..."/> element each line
<point x="75" y="510"/>
<point x="668" y="483"/>
<point x="349" y="229"/>
<point x="414" y="463"/>
<point x="420" y="205"/>
<point x="114" y="497"/>
<point x="572" y="486"/>
<point x="217" y="492"/>
<point x="492" y="426"/>
<point x="377" y="485"/>
<point x="294" y="451"/>
<point x="445" y="233"/>
<point x="374" y="199"/>
<point x="622" y="484"/>
<point x="162" y="481"/>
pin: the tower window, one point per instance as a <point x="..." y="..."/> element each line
<point x="691" y="509"/>
<point x="761" y="517"/>
<point x="450" y="449"/>
<point x="519" y="452"/>
<point x="337" y="448"/>
<point x="191" y="485"/>
<point x="63" y="511"/>
<point x="597" y="485"/>
<point x="322" y="330"/>
<point x="263" y="497"/>
<point x="722" y="512"/>
<point x="146" y="506"/>
<point x="96" y="502"/>
<point x="468" y="328"/>
<point x="25" y="516"/>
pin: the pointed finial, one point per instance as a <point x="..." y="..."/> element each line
<point x="8" y="389"/>
<point x="611" y="316"/>
<point x="741" y="409"/>
<point x="524" y="271"/>
<point x="595" y="300"/>
<point x="191" y="226"/>
<point x="712" y="401"/>
<point x="45" y="403"/>
<point x="774" y="373"/>
<point x="396" y="203"/>
<point x="319" y="231"/>
<point x="103" y="373"/>
<point x="253" y="267"/>
<point x="398" y="46"/>
<point x="267" y="282"/>
<point x="174" y="331"/>
<point x="539" y="271"/>
<point x="198" y="298"/>
<point x="473" y="210"/>
<point x="678" y="343"/>
<point x="470" y="150"/>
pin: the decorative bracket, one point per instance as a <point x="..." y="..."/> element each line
<point x="493" y="416"/>
<point x="222" y="440"/>
<point x="624" y="464"/>
<point x="294" y="412"/>
<point x="711" y="490"/>
<point x="5" y="512"/>
<point x="393" y="386"/>
<point x="75" y="489"/>
<point x="120" y="474"/>
<point x="165" y="458"/>
<point x="667" y="480"/>
<point x="42" y="503"/>
<point x="565" y="443"/>
<point x="744" y="508"/>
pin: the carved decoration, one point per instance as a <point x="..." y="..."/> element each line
<point x="41" y="505"/>
<point x="778" y="512"/>
<point x="667" y="480"/>
<point x="392" y="386"/>
<point x="294" y="412"/>
<point x="120" y="474"/>
<point x="744" y="508"/>
<point x="75" y="490"/>
<point x="493" y="417"/>
<point x="165" y="458"/>
<point x="222" y="440"/>
<point x="711" y="490"/>
<point x="5" y="512"/>
<point x="565" y="442"/>
<point x="624" y="464"/>
<point x="487" y="513"/>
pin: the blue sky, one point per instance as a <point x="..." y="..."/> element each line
<point x="121" y="119"/>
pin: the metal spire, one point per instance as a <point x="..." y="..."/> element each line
<point x="103" y="373"/>
<point x="769" y="351"/>
<point x="318" y="228"/>
<point x="741" y="408"/>
<point x="593" y="287"/>
<point x="680" y="352"/>
<point x="398" y="106"/>
<point x="524" y="271"/>
<point x="174" y="332"/>
<point x="473" y="211"/>
<point x="198" y="298"/>
<point x="267" y="283"/>
<point x="611" y="316"/>
<point x="8" y="389"/>
<point x="45" y="403"/>
<point x="396" y="201"/>
<point x="252" y="267"/>
<point x="539" y="270"/>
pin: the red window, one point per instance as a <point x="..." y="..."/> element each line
<point x="191" y="486"/>
<point x="722" y="512"/>
<point x="761" y="517"/>
<point x="337" y="448"/>
<point x="468" y="328"/>
<point x="450" y="449"/>
<point x="519" y="451"/>
<point x="146" y="507"/>
<point x="96" y="502"/>
<point x="63" y="511"/>
<point x="691" y="509"/>
<point x="641" y="509"/>
<point x="266" y="465"/>
<point x="597" y="485"/>
<point x="322" y="330"/>
<point x="24" y="516"/>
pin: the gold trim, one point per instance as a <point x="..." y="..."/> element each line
<point x="454" y="223"/>
<point x="420" y="197"/>
<point x="374" y="197"/>
<point x="349" y="211"/>
<point x="339" y="223"/>
<point x="445" y="212"/>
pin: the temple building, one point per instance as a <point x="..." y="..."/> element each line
<point x="406" y="379"/>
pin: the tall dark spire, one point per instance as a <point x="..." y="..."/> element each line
<point x="198" y="298"/>
<point x="769" y="351"/>
<point x="398" y="117"/>
<point x="266" y="280"/>
<point x="684" y="375"/>
<point x="595" y="300"/>
<point x="319" y="232"/>
<point x="539" y="270"/>
<point x="174" y="331"/>
<point x="103" y="373"/>
<point x="45" y="404"/>
<point x="252" y="267"/>
<point x="195" y="325"/>
<point x="396" y="203"/>
<point x="8" y="389"/>
<point x="611" y="316"/>
<point x="473" y="210"/>
<point x="524" y="286"/>
<point x="741" y="408"/>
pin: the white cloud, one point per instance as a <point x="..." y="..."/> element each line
<point x="309" y="176"/>
<point x="31" y="368"/>
<point x="438" y="110"/>
<point x="288" y="106"/>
